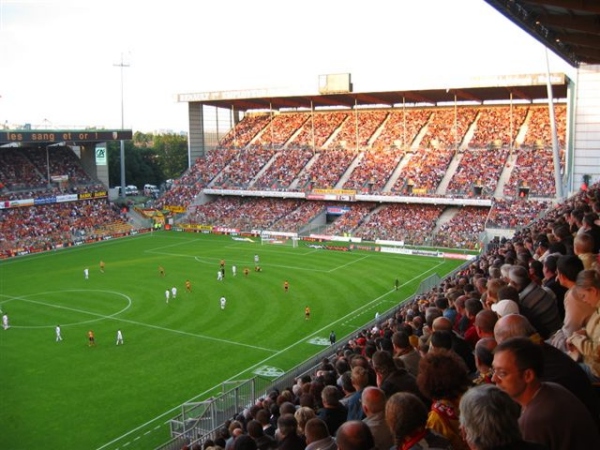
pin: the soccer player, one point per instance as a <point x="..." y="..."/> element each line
<point x="219" y="275"/>
<point x="188" y="286"/>
<point x="86" y="273"/>
<point x="234" y="270"/>
<point x="332" y="337"/>
<point x="119" y="337"/>
<point x="286" y="286"/>
<point x="246" y="271"/>
<point x="102" y="266"/>
<point x="306" y="313"/>
<point x="161" y="271"/>
<point x="174" y="292"/>
<point x="5" y="321"/>
<point x="397" y="283"/>
<point x="223" y="301"/>
<point x="91" y="338"/>
<point x="256" y="260"/>
<point x="167" y="295"/>
<point x="58" y="335"/>
<point x="222" y="264"/>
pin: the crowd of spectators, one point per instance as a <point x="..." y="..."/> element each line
<point x="26" y="168"/>
<point x="539" y="131"/>
<point x="43" y="227"/>
<point x="327" y="170"/>
<point x="374" y="170"/>
<point x="241" y="171"/>
<point x="515" y="213"/>
<point x="494" y="128"/>
<point x="350" y="220"/>
<point x="245" y="131"/>
<point x="468" y="365"/>
<point x="463" y="230"/>
<point x="284" y="169"/>
<point x="301" y="216"/>
<point x="424" y="171"/>
<point x="279" y="130"/>
<point x="448" y="127"/>
<point x="402" y="128"/>
<point x="362" y="125"/>
<point x="410" y="223"/>
<point x="478" y="168"/>
<point x="534" y="170"/>
<point x="318" y="129"/>
<point x="242" y="213"/>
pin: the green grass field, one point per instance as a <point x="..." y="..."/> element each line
<point x="67" y="395"/>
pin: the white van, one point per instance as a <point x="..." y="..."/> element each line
<point x="150" y="190"/>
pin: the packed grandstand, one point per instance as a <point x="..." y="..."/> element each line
<point x="499" y="155"/>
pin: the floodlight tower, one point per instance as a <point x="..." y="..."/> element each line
<point x="122" y="65"/>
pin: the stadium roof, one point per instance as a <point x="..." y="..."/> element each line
<point x="571" y="28"/>
<point x="527" y="88"/>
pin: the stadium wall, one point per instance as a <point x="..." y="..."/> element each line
<point x="586" y="154"/>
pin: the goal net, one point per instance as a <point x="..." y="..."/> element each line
<point x="279" y="238"/>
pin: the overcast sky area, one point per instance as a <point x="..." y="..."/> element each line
<point x="59" y="58"/>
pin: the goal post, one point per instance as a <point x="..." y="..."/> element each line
<point x="279" y="238"/>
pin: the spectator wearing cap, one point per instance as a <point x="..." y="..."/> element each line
<point x="505" y="307"/>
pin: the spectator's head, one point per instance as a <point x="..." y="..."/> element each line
<point x="287" y="425"/>
<point x="442" y="375"/>
<point x="442" y="324"/>
<point x="383" y="363"/>
<point x="508" y="293"/>
<point x="489" y="418"/>
<point x="244" y="442"/>
<point x="302" y="416"/>
<point x="405" y="413"/>
<point x="519" y="277"/>
<point x="513" y="325"/>
<point x="440" y="340"/>
<point x="373" y="401"/>
<point x="330" y="396"/>
<point x="518" y="366"/>
<point x="484" y="322"/>
<point x="472" y="307"/>
<point x="354" y="435"/>
<point x="359" y="377"/>
<point x="315" y="430"/>
<point x="484" y="353"/>
<point x="505" y="307"/>
<point x="400" y="340"/>
<point x="254" y="429"/>
<point x="587" y="287"/>
<point x="567" y="269"/>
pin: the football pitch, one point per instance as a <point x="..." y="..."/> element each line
<point x="70" y="395"/>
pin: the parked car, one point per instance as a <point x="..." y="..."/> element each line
<point x="131" y="190"/>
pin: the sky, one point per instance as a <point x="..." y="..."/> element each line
<point x="60" y="59"/>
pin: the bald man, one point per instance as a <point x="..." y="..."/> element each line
<point x="373" y="403"/>
<point x="354" y="435"/>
